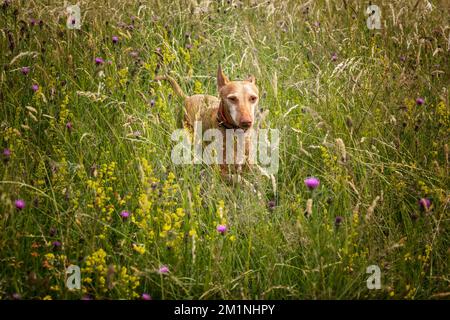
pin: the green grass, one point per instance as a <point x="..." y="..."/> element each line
<point x="75" y="182"/>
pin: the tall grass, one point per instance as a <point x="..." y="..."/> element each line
<point x="94" y="140"/>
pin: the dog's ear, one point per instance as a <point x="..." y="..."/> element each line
<point x="221" y="78"/>
<point x="251" y="79"/>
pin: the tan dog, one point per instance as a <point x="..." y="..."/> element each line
<point x="234" y="109"/>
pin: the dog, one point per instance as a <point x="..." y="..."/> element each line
<point x="234" y="109"/>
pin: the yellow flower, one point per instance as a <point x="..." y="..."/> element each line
<point x="139" y="248"/>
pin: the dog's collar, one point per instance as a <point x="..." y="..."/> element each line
<point x="223" y="121"/>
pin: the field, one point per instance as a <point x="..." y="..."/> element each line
<point x="87" y="179"/>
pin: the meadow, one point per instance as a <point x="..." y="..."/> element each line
<point x="86" y="176"/>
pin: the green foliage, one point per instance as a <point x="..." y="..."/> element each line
<point x="94" y="141"/>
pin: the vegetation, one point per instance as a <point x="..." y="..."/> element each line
<point x="87" y="177"/>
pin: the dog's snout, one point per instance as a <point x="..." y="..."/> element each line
<point x="245" y="123"/>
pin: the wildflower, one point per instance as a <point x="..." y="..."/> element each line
<point x="52" y="232"/>
<point x="139" y="248"/>
<point x="20" y="204"/>
<point x="338" y="220"/>
<point x="115" y="39"/>
<point x="271" y="204"/>
<point x="56" y="244"/>
<point x="35" y="87"/>
<point x="16" y="296"/>
<point x="152" y="103"/>
<point x="33" y="21"/>
<point x="146" y="296"/>
<point x="222" y="228"/>
<point x="6" y="154"/>
<point x="86" y="297"/>
<point x="420" y="101"/>
<point x="312" y="183"/>
<point x="69" y="126"/>
<point x="402" y="58"/>
<point x="189" y="46"/>
<point x="125" y="214"/>
<point x="163" y="269"/>
<point x="334" y="57"/>
<point x="99" y="61"/>
<point x="25" y="70"/>
<point x="134" y="54"/>
<point x="425" y="203"/>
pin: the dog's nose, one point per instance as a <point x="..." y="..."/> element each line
<point x="245" y="123"/>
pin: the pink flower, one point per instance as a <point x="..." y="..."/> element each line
<point x="20" y="204"/>
<point x="163" y="269"/>
<point x="125" y="214"/>
<point x="25" y="70"/>
<point x="312" y="182"/>
<point x="146" y="296"/>
<point x="35" y="87"/>
<point x="425" y="203"/>
<point x="222" y="228"/>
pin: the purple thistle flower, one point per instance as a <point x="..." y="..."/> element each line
<point x="25" y="70"/>
<point x="33" y="21"/>
<point x="163" y="269"/>
<point x="125" y="214"/>
<point x="271" y="204"/>
<point x="312" y="183"/>
<point x="56" y="244"/>
<point x="402" y="58"/>
<point x="334" y="57"/>
<point x="420" y="101"/>
<point x="425" y="203"/>
<point x="20" y="204"/>
<point x="52" y="232"/>
<point x="189" y="46"/>
<point x="152" y="103"/>
<point x="115" y="39"/>
<point x="338" y="221"/>
<point x="35" y="87"/>
<point x="16" y="296"/>
<point x="69" y="126"/>
<point x="6" y="153"/>
<point x="221" y="228"/>
<point x="146" y="296"/>
<point x="99" y="61"/>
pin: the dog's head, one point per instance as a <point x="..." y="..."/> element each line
<point x="239" y="99"/>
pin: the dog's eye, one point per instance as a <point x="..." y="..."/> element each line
<point x="232" y="99"/>
<point x="253" y="98"/>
